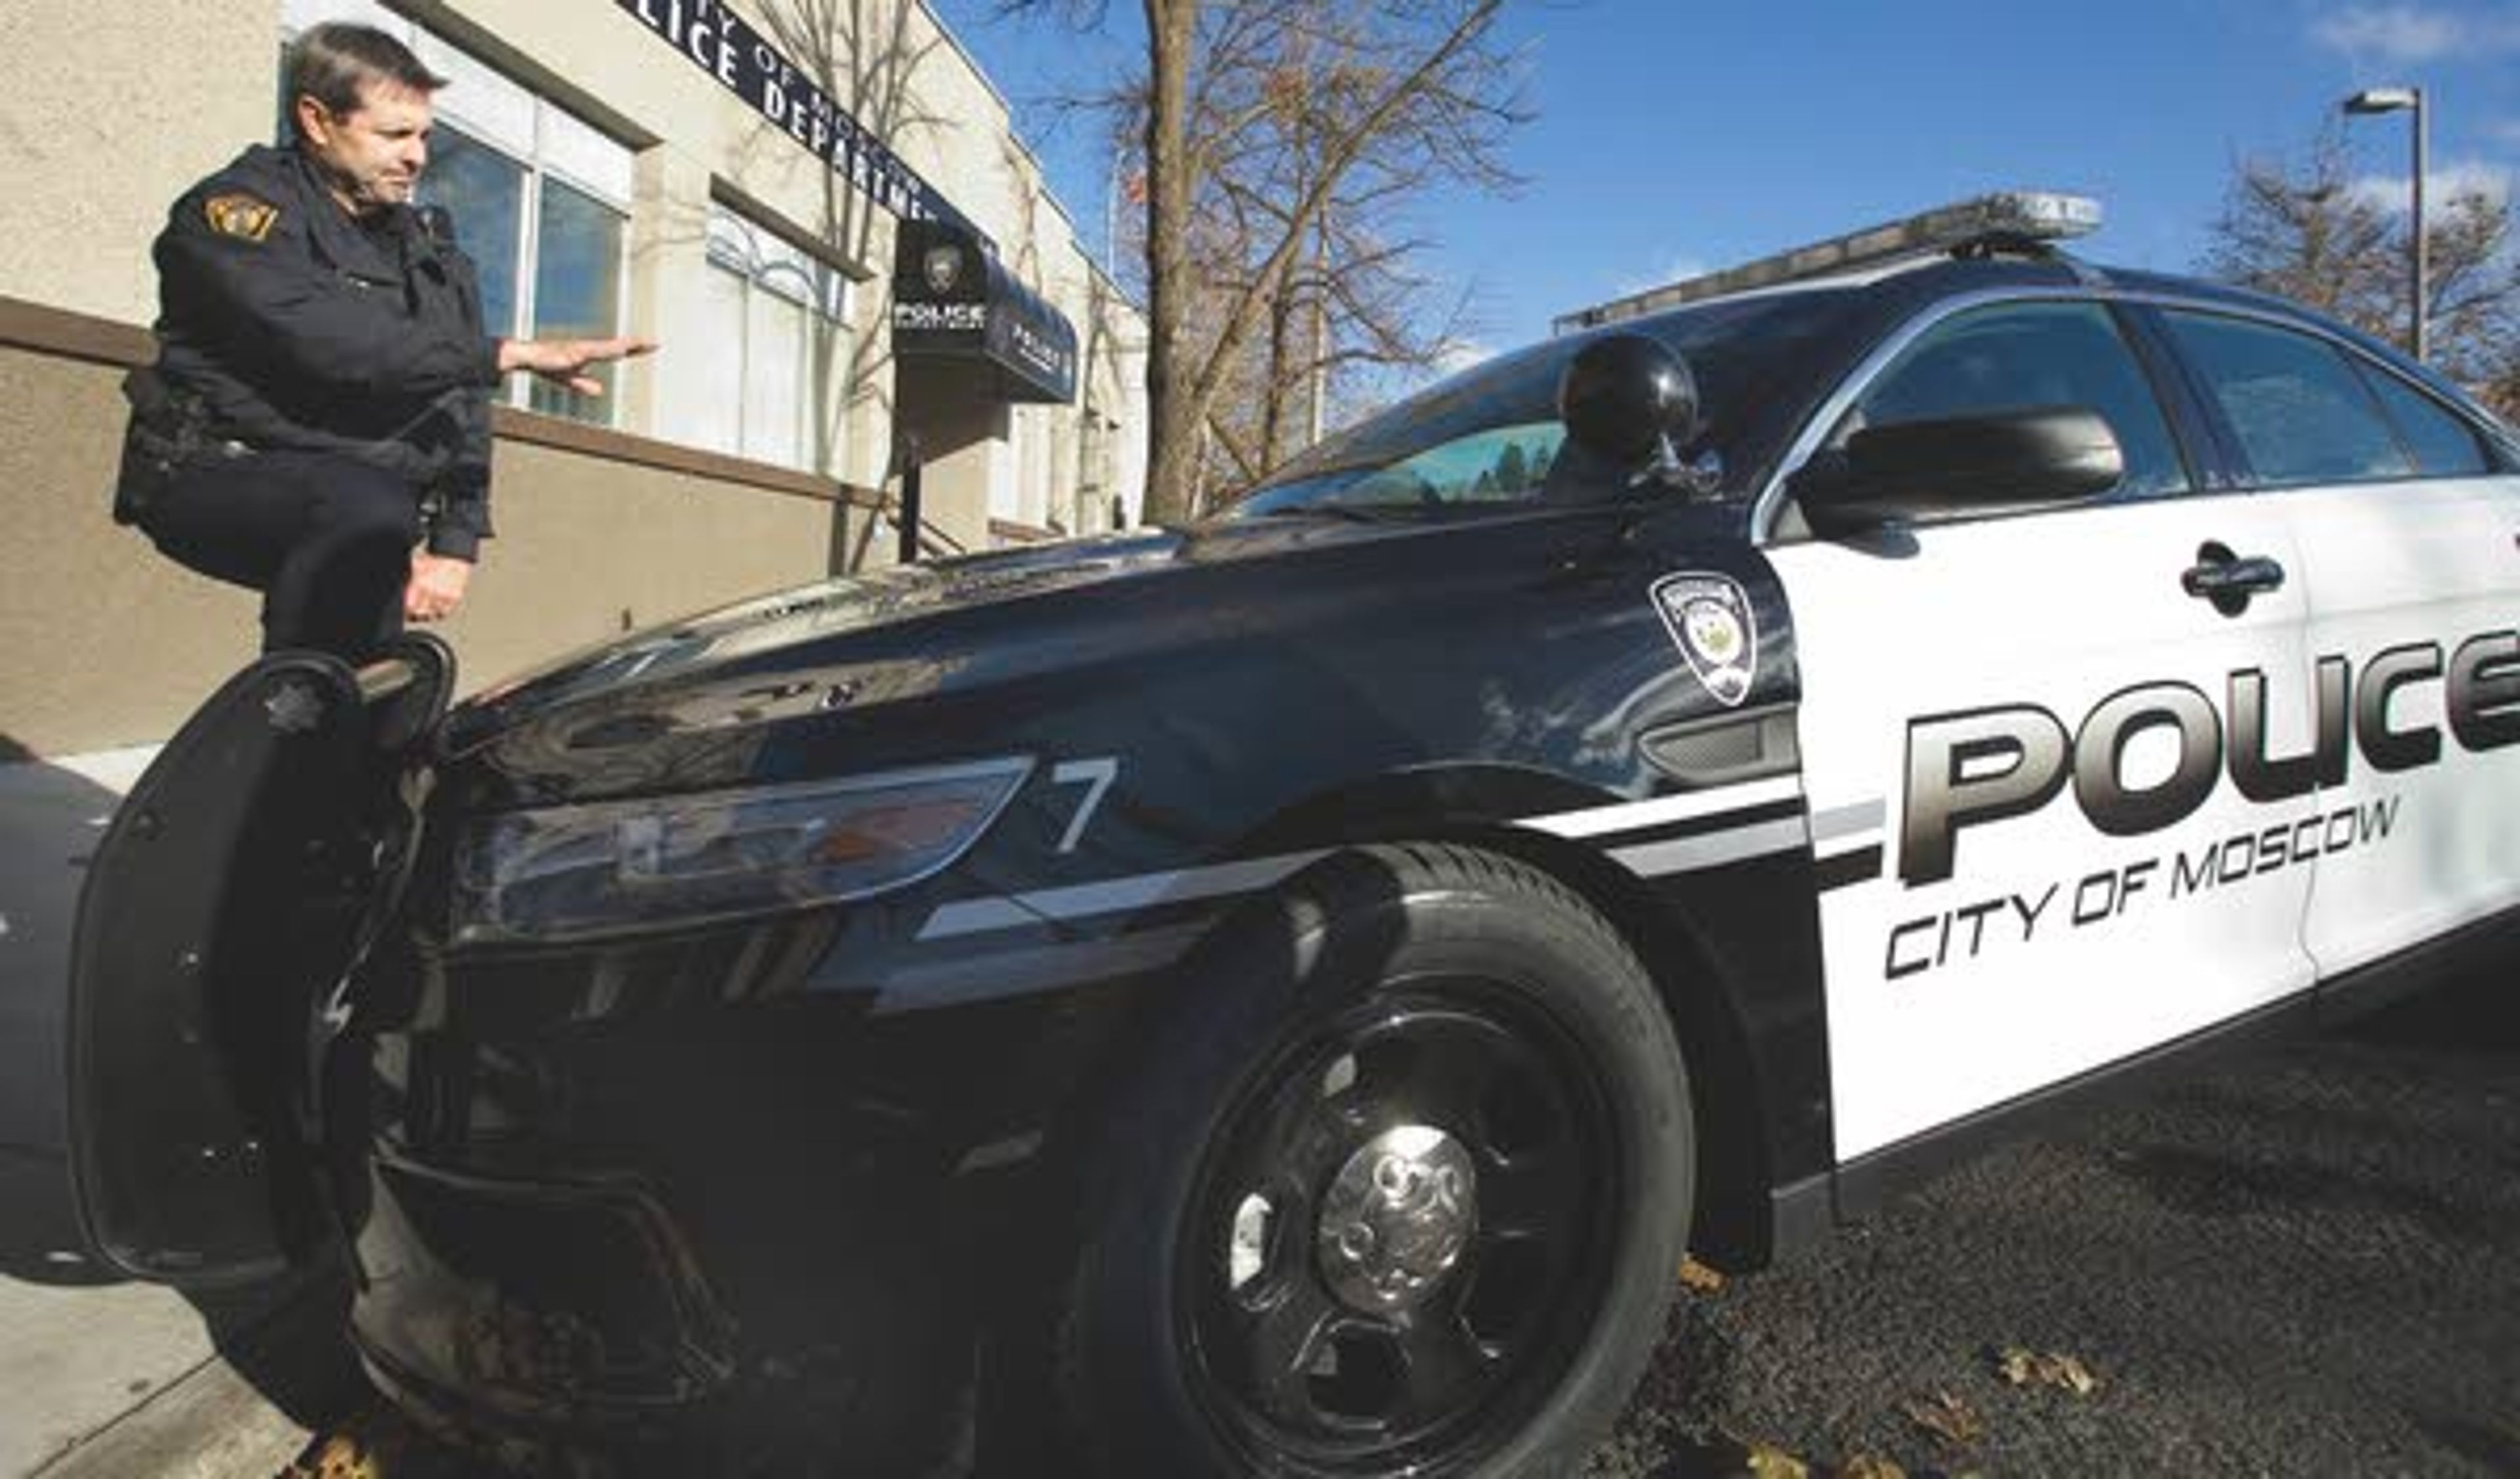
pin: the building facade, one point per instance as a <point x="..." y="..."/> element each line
<point x="818" y="208"/>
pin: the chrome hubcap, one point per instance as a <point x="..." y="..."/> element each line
<point x="1397" y="1219"/>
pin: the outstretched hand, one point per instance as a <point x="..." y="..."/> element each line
<point x="563" y="361"/>
<point x="437" y="587"/>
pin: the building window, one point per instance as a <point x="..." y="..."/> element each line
<point x="485" y="192"/>
<point x="577" y="256"/>
<point x="1044" y="471"/>
<point x="1095" y="497"/>
<point x="780" y="347"/>
<point x="541" y="202"/>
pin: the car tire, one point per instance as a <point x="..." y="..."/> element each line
<point x="1402" y="1184"/>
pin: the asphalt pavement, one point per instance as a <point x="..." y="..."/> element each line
<point x="2303" y="1261"/>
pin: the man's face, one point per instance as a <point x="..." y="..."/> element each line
<point x="372" y="156"/>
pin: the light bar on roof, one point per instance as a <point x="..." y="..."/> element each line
<point x="2006" y="215"/>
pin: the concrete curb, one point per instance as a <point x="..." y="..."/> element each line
<point x="248" y="1412"/>
<point x="210" y="1425"/>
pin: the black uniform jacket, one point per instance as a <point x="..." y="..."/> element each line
<point x="284" y="323"/>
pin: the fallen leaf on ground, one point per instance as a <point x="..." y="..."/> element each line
<point x="1764" y="1463"/>
<point x="1865" y="1466"/>
<point x="1699" y="1277"/>
<point x="374" y="1443"/>
<point x="2023" y="1368"/>
<point x="1948" y="1419"/>
<point x="341" y="1456"/>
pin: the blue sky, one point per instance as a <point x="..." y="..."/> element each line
<point x="1674" y="136"/>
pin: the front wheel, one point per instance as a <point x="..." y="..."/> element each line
<point x="1401" y="1187"/>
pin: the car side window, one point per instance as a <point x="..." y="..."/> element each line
<point x="2023" y="356"/>
<point x="2300" y="411"/>
<point x="2443" y="444"/>
<point x="1502" y="465"/>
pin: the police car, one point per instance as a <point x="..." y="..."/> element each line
<point x="1281" y="996"/>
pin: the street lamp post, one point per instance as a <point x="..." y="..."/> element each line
<point x="2372" y="100"/>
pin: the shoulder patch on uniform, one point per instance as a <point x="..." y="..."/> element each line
<point x="244" y="216"/>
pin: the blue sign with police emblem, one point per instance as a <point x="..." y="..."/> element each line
<point x="1709" y="619"/>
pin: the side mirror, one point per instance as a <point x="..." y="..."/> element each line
<point x="1971" y="467"/>
<point x="1626" y="398"/>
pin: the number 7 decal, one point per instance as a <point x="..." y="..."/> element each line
<point x="1095" y="774"/>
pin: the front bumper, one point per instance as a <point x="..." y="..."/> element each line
<point x="681" y="1194"/>
<point x="575" y="1331"/>
<point x="539" y="1301"/>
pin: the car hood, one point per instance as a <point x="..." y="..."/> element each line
<point x="695" y="702"/>
<point x="803" y="624"/>
<point x="786" y="619"/>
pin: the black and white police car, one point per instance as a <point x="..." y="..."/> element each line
<point x="1281" y="995"/>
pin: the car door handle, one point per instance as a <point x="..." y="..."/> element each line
<point x="2228" y="581"/>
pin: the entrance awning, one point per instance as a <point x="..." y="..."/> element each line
<point x="952" y="300"/>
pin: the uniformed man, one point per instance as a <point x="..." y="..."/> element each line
<point x="321" y="396"/>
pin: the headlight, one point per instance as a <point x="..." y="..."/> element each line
<point x="618" y="867"/>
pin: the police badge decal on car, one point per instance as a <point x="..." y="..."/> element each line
<point x="1709" y="617"/>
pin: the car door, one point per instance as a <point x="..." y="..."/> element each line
<point x="237" y="886"/>
<point x="2411" y="539"/>
<point x="2014" y="734"/>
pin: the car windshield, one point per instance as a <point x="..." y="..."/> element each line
<point x="1490" y="436"/>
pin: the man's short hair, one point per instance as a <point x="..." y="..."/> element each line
<point x="335" y="62"/>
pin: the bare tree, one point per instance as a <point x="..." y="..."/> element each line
<point x="2473" y="289"/>
<point x="1351" y="318"/>
<point x="1275" y="137"/>
<point x="2304" y="232"/>
<point x="2502" y="395"/>
<point x="1352" y="306"/>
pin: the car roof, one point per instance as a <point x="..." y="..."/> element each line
<point x="1903" y="288"/>
<point x="1897" y="291"/>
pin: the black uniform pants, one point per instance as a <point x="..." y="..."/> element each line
<point x="325" y="537"/>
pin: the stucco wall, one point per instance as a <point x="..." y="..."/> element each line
<point x="105" y="643"/>
<point x="588" y="548"/>
<point x="101" y="642"/>
<point x="109" y="110"/>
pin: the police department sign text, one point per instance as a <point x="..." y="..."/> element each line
<point x="722" y="44"/>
